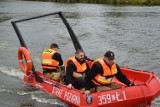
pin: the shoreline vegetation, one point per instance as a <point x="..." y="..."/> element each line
<point x="111" y="2"/>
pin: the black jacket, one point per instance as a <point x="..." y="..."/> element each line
<point x="69" y="72"/>
<point x="97" y="68"/>
<point x="57" y="57"/>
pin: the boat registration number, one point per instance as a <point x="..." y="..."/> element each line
<point x="109" y="98"/>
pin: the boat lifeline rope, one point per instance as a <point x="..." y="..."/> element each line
<point x="144" y="96"/>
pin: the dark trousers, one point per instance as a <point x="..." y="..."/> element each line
<point x="49" y="71"/>
<point x="79" y="83"/>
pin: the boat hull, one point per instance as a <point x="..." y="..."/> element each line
<point x="146" y="89"/>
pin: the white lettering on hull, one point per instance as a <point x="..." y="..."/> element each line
<point x="66" y="95"/>
<point x="109" y="98"/>
<point x="72" y="98"/>
<point x="57" y="91"/>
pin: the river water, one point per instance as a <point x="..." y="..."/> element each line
<point x="132" y="32"/>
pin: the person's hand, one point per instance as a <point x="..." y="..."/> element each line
<point x="70" y="86"/>
<point x="87" y="92"/>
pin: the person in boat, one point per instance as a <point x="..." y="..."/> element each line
<point x="76" y="69"/>
<point x="51" y="59"/>
<point x="102" y="72"/>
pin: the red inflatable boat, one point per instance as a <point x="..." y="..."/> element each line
<point x="146" y="89"/>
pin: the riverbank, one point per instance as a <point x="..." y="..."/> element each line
<point x="112" y="2"/>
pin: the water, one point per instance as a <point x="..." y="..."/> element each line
<point x="132" y="32"/>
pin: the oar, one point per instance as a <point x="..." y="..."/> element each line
<point x="23" y="44"/>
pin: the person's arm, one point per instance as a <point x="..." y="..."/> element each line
<point x="121" y="77"/>
<point x="87" y="70"/>
<point x="69" y="73"/>
<point x="57" y="57"/>
<point x="96" y="68"/>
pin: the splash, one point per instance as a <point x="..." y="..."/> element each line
<point x="43" y="97"/>
<point x="156" y="102"/>
<point x="5" y="90"/>
<point x="25" y="90"/>
<point x="11" y="71"/>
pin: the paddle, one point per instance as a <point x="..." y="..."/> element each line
<point x="23" y="44"/>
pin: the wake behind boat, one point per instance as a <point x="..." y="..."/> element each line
<point x="146" y="89"/>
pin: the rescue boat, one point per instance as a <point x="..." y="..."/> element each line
<point x="146" y="89"/>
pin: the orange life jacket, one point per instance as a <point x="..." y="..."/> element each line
<point x="81" y="68"/>
<point x="47" y="61"/>
<point x="108" y="73"/>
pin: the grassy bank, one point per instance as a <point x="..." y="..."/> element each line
<point x="115" y="2"/>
